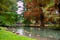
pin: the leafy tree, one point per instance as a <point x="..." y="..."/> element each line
<point x="8" y="16"/>
<point x="5" y="5"/>
<point x="34" y="11"/>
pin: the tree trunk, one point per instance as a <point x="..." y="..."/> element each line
<point x="42" y="19"/>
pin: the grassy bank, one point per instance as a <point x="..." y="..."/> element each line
<point x="6" y="35"/>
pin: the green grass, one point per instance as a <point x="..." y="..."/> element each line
<point x="6" y="35"/>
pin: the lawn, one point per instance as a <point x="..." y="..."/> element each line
<point x="6" y="35"/>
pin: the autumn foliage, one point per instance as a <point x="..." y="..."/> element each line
<point x="33" y="10"/>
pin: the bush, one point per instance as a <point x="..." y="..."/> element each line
<point x="8" y="18"/>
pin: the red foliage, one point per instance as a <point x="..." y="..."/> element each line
<point x="32" y="4"/>
<point x="35" y="12"/>
<point x="27" y="14"/>
<point x="29" y="5"/>
<point x="51" y="8"/>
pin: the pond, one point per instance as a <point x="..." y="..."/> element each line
<point x="38" y="33"/>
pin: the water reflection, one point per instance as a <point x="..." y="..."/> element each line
<point x="38" y="33"/>
<point x="20" y="31"/>
<point x="30" y="35"/>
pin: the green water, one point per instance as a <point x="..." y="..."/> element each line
<point x="44" y="33"/>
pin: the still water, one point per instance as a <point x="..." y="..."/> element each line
<point x="37" y="32"/>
